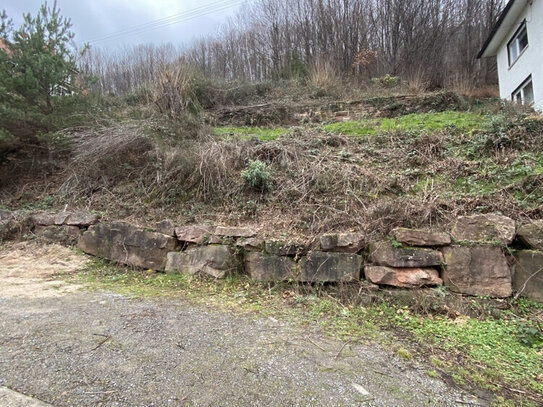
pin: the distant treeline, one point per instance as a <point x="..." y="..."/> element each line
<point x="427" y="41"/>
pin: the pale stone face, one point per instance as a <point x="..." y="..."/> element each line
<point x="477" y="270"/>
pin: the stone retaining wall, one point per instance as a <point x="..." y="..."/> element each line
<point x="475" y="258"/>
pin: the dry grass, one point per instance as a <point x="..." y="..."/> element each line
<point x="467" y="87"/>
<point x="323" y="75"/>
<point x="173" y="90"/>
<point x="417" y="82"/>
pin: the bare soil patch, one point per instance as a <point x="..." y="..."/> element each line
<point x="28" y="269"/>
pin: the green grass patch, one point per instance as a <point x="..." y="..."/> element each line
<point x="506" y="350"/>
<point x="416" y="122"/>
<point x="245" y="133"/>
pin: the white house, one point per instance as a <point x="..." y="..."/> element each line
<point x="517" y="42"/>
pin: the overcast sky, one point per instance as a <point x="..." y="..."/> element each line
<point x="131" y="20"/>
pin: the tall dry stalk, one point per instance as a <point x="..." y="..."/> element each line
<point x="323" y="75"/>
<point x="174" y="90"/>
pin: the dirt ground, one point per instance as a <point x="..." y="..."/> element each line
<point x="66" y="346"/>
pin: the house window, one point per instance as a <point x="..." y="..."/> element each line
<point x="524" y="94"/>
<point x="518" y="43"/>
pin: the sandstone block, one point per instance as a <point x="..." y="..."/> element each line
<point x="531" y="234"/>
<point x="251" y="243"/>
<point x="79" y="218"/>
<point x="528" y="274"/>
<point x="485" y="228"/>
<point x="127" y="244"/>
<point x="402" y="277"/>
<point x="417" y="237"/>
<point x="235" y="231"/>
<point x="69" y="218"/>
<point x="332" y="267"/>
<point x="342" y="242"/>
<point x="384" y="254"/>
<point x="166" y="227"/>
<point x="14" y="227"/>
<point x="44" y="218"/>
<point x="266" y="267"/>
<point x="194" y="234"/>
<point x="215" y="260"/>
<point x="65" y="235"/>
<point x="478" y="270"/>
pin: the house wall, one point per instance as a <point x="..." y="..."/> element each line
<point x="530" y="62"/>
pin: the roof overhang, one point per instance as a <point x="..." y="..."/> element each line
<point x="506" y="22"/>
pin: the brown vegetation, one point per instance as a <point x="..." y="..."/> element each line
<point x="320" y="181"/>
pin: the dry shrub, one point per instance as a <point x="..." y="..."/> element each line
<point x="103" y="157"/>
<point x="417" y="82"/>
<point x="126" y="163"/>
<point x="323" y="75"/>
<point x="174" y="90"/>
<point x="468" y="87"/>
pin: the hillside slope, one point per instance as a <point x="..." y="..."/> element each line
<point x="370" y="165"/>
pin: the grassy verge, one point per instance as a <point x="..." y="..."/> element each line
<point x="502" y="355"/>
<point x="417" y="122"/>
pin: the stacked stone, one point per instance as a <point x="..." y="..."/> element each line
<point x="230" y="249"/>
<point x="473" y="259"/>
<point x="528" y="267"/>
<point x="411" y="260"/>
<point x="476" y="263"/>
<point x="64" y="227"/>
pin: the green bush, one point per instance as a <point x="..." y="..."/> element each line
<point x="388" y="81"/>
<point x="257" y="175"/>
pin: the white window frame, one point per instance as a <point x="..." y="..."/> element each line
<point x="514" y="50"/>
<point x="519" y="94"/>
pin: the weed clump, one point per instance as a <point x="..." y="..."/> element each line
<point x="257" y="175"/>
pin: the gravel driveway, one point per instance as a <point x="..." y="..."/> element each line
<point x="69" y="347"/>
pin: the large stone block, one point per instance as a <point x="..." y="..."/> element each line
<point x="14" y="227"/>
<point x="194" y="234"/>
<point x="385" y="254"/>
<point x="477" y="270"/>
<point x="69" y="218"/>
<point x="417" y="237"/>
<point x="127" y="244"/>
<point x="528" y="274"/>
<point x="266" y="267"/>
<point x="485" y="228"/>
<point x="531" y="234"/>
<point x="215" y="260"/>
<point x="332" y="267"/>
<point x="251" y="243"/>
<point x="166" y="227"/>
<point x="402" y="277"/>
<point x="79" y="218"/>
<point x="342" y="242"/>
<point x="64" y="235"/>
<point x="235" y="231"/>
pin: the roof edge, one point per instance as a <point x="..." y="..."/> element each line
<point x="496" y="27"/>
